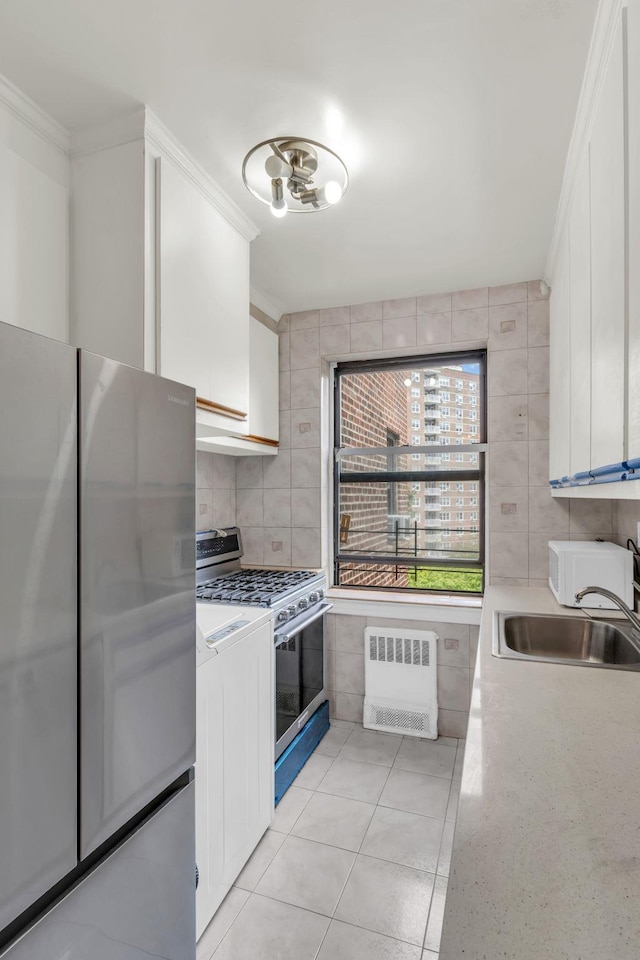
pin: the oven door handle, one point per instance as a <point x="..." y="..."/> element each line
<point x="294" y="627"/>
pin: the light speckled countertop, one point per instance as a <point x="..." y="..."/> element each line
<point x="546" y="857"/>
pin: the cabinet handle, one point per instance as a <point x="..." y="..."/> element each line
<point x="212" y="407"/>
<point x="254" y="439"/>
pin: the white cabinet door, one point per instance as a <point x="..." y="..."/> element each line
<point x="559" y="360"/>
<point x="234" y="764"/>
<point x="579" y="297"/>
<point x="264" y="414"/>
<point x="204" y="295"/>
<point x="633" y="86"/>
<point x="608" y="360"/>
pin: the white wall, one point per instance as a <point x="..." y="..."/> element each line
<point x="34" y="217"/>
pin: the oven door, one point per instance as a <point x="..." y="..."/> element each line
<point x="300" y="659"/>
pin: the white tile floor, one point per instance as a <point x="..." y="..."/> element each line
<point x="356" y="862"/>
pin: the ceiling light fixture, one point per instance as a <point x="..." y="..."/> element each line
<point x="301" y="165"/>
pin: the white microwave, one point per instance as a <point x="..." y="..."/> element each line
<point x="575" y="564"/>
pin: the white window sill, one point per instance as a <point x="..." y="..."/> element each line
<point x="443" y="608"/>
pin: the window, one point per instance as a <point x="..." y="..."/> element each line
<point x="415" y="407"/>
<point x="415" y="391"/>
<point x="445" y="397"/>
<point x="444" y="411"/>
<point x="459" y="398"/>
<point x="473" y="487"/>
<point x="473" y="515"/>
<point x="459" y="384"/>
<point x="460" y="517"/>
<point x="473" y="502"/>
<point x="473" y="429"/>
<point x="473" y="386"/>
<point x="473" y="401"/>
<point x="459" y="412"/>
<point x="392" y="503"/>
<point x="473" y="414"/>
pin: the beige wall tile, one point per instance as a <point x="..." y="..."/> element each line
<point x="305" y="467"/>
<point x="305" y="389"/>
<point x="508" y="418"/>
<point x="452" y="651"/>
<point x="534" y="292"/>
<point x="509" y="509"/>
<point x="508" y="326"/>
<point x="538" y="379"/>
<point x="434" y="328"/>
<point x="284" y="389"/>
<point x="539" y="555"/>
<point x="538" y="313"/>
<point x="539" y="417"/>
<point x="253" y="545"/>
<point x="284" y="438"/>
<point x="223" y="508"/>
<point x="453" y="688"/>
<point x="277" y="507"/>
<point x="335" y="341"/>
<point x="509" y="582"/>
<point x="305" y="427"/>
<point x="305" y="348"/>
<point x="305" y="507"/>
<point x="366" y="336"/>
<point x="249" y="508"/>
<point x="453" y="723"/>
<point x="284" y="350"/>
<point x="470" y="324"/>
<point x="508" y="293"/>
<point x="277" y="545"/>
<point x="434" y="303"/>
<point x="547" y="513"/>
<point x="334" y="315"/>
<point x="399" y="308"/>
<point x="348" y="706"/>
<point x="305" y="547"/>
<point x="249" y="472"/>
<point x="276" y="471"/>
<point x="507" y="372"/>
<point x="361" y="312"/>
<point x="349" y="672"/>
<point x="224" y="471"/>
<point x="509" y="555"/>
<point x="304" y="320"/>
<point x="539" y="463"/>
<point x="591" y="516"/>
<point x="349" y="633"/>
<point x="400" y="332"/>
<point x="466" y="299"/>
<point x="508" y="463"/>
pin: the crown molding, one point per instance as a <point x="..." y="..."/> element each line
<point x="602" y="38"/>
<point x="31" y="115"/>
<point x="113" y="133"/>
<point x="159" y="137"/>
<point x="271" y="306"/>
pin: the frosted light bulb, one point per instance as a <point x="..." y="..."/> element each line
<point x="278" y="208"/>
<point x="276" y="168"/>
<point x="332" y="191"/>
<point x="407" y="382"/>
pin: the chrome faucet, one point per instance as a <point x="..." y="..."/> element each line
<point x="629" y="614"/>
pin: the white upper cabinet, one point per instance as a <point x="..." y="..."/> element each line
<point x="204" y="296"/>
<point x="264" y="413"/>
<point x="34" y="218"/>
<point x="607" y="155"/>
<point x="160" y="267"/>
<point x="595" y="269"/>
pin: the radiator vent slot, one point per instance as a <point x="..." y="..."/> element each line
<point x="401" y="681"/>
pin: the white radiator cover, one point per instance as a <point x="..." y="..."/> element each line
<point x="401" y="681"/>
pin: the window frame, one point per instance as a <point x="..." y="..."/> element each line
<point x="428" y="474"/>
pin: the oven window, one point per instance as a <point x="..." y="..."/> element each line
<point x="299" y="674"/>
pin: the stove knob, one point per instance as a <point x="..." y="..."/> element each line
<point x="282" y="616"/>
<point x="291" y="611"/>
<point x="320" y="594"/>
<point x="303" y="604"/>
<point x="314" y="597"/>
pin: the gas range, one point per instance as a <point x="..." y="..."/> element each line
<point x="221" y="579"/>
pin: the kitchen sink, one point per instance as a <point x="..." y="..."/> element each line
<point x="572" y="640"/>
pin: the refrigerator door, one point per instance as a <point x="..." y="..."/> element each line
<point x="38" y="635"/>
<point x="137" y="591"/>
<point x="138" y="903"/>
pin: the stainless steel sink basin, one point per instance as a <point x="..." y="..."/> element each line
<point x="572" y="640"/>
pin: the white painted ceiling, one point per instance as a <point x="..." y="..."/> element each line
<point x="453" y="116"/>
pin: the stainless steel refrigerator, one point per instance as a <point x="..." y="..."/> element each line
<point x="97" y="657"/>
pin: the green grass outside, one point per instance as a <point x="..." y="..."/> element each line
<point x="453" y="580"/>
